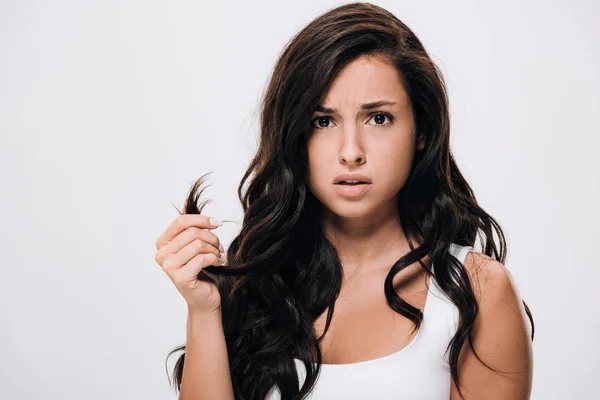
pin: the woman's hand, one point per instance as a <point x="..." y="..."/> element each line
<point x="184" y="249"/>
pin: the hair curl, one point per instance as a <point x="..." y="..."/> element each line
<point x="282" y="272"/>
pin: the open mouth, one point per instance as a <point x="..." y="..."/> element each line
<point x="352" y="183"/>
<point x="352" y="189"/>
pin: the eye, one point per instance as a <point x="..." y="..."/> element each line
<point x="323" y="122"/>
<point x="380" y="116"/>
<point x="320" y="121"/>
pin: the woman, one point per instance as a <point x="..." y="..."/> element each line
<point x="356" y="205"/>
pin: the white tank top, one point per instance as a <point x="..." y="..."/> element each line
<point x="418" y="371"/>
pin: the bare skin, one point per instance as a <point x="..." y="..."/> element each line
<point x="379" y="143"/>
<point x="369" y="238"/>
<point x="364" y="327"/>
<point x="369" y="142"/>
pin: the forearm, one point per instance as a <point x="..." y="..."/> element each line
<point x="206" y="368"/>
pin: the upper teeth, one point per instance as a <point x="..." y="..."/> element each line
<point x="352" y="181"/>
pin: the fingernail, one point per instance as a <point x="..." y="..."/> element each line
<point x="221" y="249"/>
<point x="215" y="222"/>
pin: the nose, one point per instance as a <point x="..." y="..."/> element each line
<point x="351" y="150"/>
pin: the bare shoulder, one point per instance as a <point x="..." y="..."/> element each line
<point x="495" y="288"/>
<point x="501" y="335"/>
<point x="489" y="277"/>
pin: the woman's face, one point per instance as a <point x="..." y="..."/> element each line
<point x="377" y="141"/>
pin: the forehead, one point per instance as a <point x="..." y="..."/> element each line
<point x="366" y="79"/>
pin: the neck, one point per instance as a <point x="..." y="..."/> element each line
<point x="367" y="244"/>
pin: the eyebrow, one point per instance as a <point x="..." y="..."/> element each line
<point x="366" y="106"/>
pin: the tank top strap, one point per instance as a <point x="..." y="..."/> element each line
<point x="440" y="314"/>
<point x="460" y="252"/>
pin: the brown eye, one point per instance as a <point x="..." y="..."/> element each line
<point x="321" y="122"/>
<point x="379" y="119"/>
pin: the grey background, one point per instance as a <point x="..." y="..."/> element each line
<point x="109" y="110"/>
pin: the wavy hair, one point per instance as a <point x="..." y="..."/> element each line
<point x="282" y="272"/>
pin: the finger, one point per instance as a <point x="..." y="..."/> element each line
<point x="186" y="237"/>
<point x="193" y="269"/>
<point x="198" y="263"/>
<point x="189" y="251"/>
<point x="183" y="222"/>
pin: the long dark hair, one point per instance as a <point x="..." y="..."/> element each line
<point x="282" y="271"/>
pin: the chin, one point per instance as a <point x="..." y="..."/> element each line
<point x="349" y="209"/>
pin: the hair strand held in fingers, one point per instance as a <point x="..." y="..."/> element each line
<point x="283" y="269"/>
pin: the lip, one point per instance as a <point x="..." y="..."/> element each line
<point x="351" y="177"/>
<point x="352" y="191"/>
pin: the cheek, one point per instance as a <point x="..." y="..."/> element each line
<point x="397" y="154"/>
<point x="389" y="161"/>
<point x="314" y="160"/>
<point x="321" y="164"/>
<point x="393" y="164"/>
<point x="316" y="173"/>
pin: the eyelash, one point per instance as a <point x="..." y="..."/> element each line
<point x="390" y="117"/>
